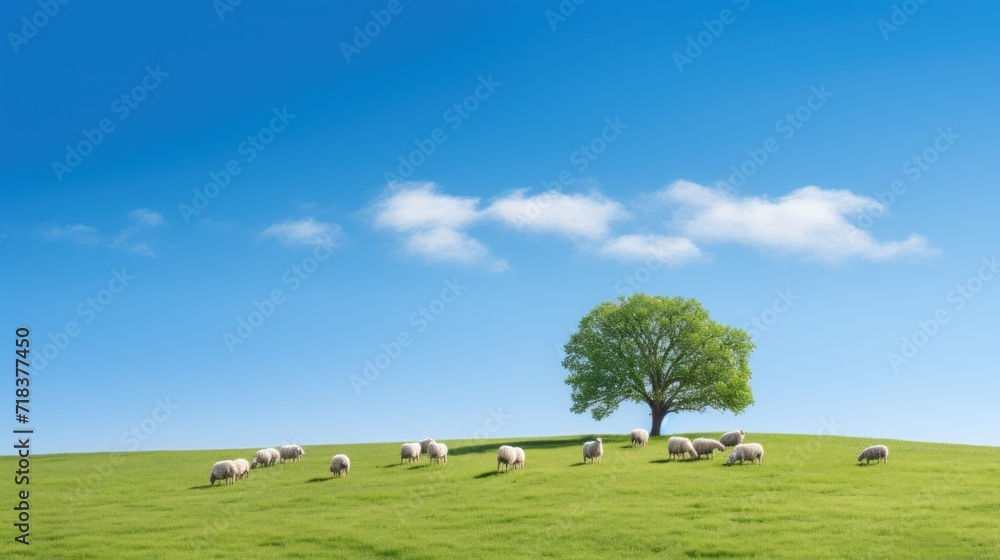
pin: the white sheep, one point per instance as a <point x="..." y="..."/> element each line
<point x="730" y="439"/>
<point x="506" y="455"/>
<point x="747" y="452"/>
<point x="640" y="437"/>
<point x="707" y="447"/>
<point x="437" y="451"/>
<point x="875" y="453"/>
<point x="242" y="468"/>
<point x="424" y="443"/>
<point x="519" y="461"/>
<point x="264" y="458"/>
<point x="223" y="470"/>
<point x="678" y="446"/>
<point x="291" y="452"/>
<point x="409" y="452"/>
<point x="593" y="450"/>
<point x="340" y="464"/>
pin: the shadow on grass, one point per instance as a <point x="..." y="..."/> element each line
<point x="488" y="474"/>
<point x="320" y="479"/>
<point x="678" y="461"/>
<point x="543" y="444"/>
<point x="867" y="464"/>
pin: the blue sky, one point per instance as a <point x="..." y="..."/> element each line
<point x="471" y="180"/>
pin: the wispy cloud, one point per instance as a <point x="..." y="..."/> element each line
<point x="146" y="217"/>
<point x="811" y="222"/>
<point x="142" y="219"/>
<point x="673" y="251"/>
<point x="141" y="222"/>
<point x="79" y="234"/>
<point x="586" y="216"/>
<point x="306" y="231"/>
<point x="433" y="224"/>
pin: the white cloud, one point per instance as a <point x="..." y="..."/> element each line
<point x="306" y="231"/>
<point x="141" y="220"/>
<point x="444" y="245"/>
<point x="811" y="222"/>
<point x="575" y="216"/>
<point x="146" y="217"/>
<point x="433" y="224"/>
<point x="673" y="251"/>
<point x="79" y="234"/>
<point x="141" y="249"/>
<point x="415" y="206"/>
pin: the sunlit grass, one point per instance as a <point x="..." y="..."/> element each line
<point x="809" y="499"/>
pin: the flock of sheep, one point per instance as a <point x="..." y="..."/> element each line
<point x="231" y="471"/>
<point x="513" y="457"/>
<point x="679" y="447"/>
<point x="438" y="452"/>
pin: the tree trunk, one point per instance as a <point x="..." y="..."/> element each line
<point x="658" y="414"/>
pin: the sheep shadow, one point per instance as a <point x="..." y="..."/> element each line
<point x="488" y="474"/>
<point x="669" y="461"/>
<point x="866" y="464"/>
<point x="540" y="444"/>
<point x="320" y="479"/>
<point x="202" y="487"/>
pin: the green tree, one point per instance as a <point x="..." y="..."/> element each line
<point x="665" y="352"/>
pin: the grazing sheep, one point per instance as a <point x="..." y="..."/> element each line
<point x="340" y="464"/>
<point x="437" y="451"/>
<point x="730" y="439"/>
<point x="875" y="453"/>
<point x="593" y="450"/>
<point x="519" y="462"/>
<point x="291" y="452"/>
<point x="640" y="437"/>
<point x="705" y="446"/>
<point x="747" y="451"/>
<point x="678" y="446"/>
<point x="506" y="455"/>
<point x="223" y="470"/>
<point x="424" y="443"/>
<point x="242" y="468"/>
<point x="409" y="452"/>
<point x="265" y="458"/>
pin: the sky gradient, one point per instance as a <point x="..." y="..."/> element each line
<point x="244" y="226"/>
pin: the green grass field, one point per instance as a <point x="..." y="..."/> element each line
<point x="809" y="499"/>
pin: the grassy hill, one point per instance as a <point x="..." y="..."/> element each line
<point x="809" y="499"/>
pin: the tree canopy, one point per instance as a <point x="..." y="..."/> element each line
<point x="665" y="352"/>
